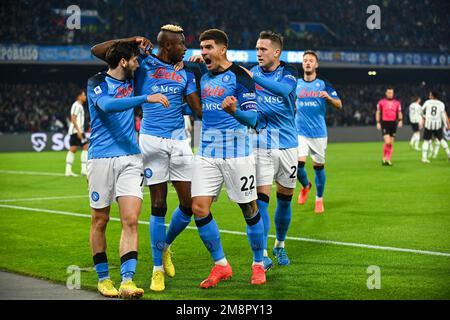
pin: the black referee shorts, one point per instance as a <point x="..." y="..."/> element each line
<point x="76" y="142"/>
<point x="428" y="134"/>
<point x="389" y="128"/>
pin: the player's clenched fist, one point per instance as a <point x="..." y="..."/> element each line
<point x="325" y="95"/>
<point x="158" y="98"/>
<point x="229" y="104"/>
<point x="144" y="44"/>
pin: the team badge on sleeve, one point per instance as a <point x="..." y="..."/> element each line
<point x="97" y="90"/>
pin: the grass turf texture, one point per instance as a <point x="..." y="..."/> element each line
<point x="405" y="206"/>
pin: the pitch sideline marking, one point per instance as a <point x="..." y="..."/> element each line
<point x="35" y="173"/>
<point x="339" y="243"/>
<point x="44" y="198"/>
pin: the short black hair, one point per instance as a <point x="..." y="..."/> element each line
<point x="434" y="94"/>
<point x="389" y="88"/>
<point x="219" y="36"/>
<point x="313" y="53"/>
<point x="119" y="50"/>
<point x="272" y="36"/>
<point x="79" y="92"/>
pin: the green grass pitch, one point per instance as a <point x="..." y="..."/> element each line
<point x="404" y="206"/>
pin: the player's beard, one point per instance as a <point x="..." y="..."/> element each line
<point x="129" y="73"/>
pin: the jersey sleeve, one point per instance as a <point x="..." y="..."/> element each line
<point x="97" y="90"/>
<point x="191" y="85"/>
<point x="330" y="90"/>
<point x="73" y="110"/>
<point x="290" y="76"/>
<point x="379" y="106"/>
<point x="245" y="92"/>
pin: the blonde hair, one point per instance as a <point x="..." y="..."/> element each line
<point x="172" y="28"/>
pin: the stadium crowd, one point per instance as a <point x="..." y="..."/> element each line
<point x="405" y="24"/>
<point x="46" y="106"/>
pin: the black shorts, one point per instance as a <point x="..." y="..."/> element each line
<point x="389" y="128"/>
<point x="75" y="141"/>
<point x="415" y="127"/>
<point x="428" y="134"/>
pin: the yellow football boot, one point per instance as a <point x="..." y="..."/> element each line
<point x="157" y="281"/>
<point x="169" y="268"/>
<point x="107" y="289"/>
<point x="129" y="290"/>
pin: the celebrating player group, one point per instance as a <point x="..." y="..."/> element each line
<point x="258" y="125"/>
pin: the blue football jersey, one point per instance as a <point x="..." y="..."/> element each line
<point x="222" y="135"/>
<point x="276" y="113"/>
<point x="155" y="76"/>
<point x="113" y="134"/>
<point x="311" y="110"/>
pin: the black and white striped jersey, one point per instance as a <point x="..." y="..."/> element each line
<point x="434" y="112"/>
<point x="415" y="112"/>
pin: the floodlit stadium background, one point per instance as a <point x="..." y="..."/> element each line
<point x="372" y="213"/>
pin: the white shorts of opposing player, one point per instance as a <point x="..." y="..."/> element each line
<point x="110" y="178"/>
<point x="276" y="164"/>
<point x="238" y="174"/>
<point x="166" y="159"/>
<point x="314" y="147"/>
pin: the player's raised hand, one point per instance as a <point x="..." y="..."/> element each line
<point x="248" y="71"/>
<point x="197" y="58"/>
<point x="325" y="95"/>
<point x="229" y="104"/>
<point x="144" y="44"/>
<point x="158" y="98"/>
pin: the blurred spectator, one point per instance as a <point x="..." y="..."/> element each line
<point x="46" y="106"/>
<point x="405" y="24"/>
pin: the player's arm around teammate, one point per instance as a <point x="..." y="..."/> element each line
<point x="229" y="108"/>
<point x="115" y="164"/>
<point x="276" y="82"/>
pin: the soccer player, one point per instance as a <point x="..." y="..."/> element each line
<point x="415" y="117"/>
<point x="166" y="153"/>
<point x="276" y="143"/>
<point x="313" y="96"/>
<point x="435" y="115"/>
<point x="225" y="155"/>
<point x="115" y="169"/>
<point x="389" y="111"/>
<point x="77" y="137"/>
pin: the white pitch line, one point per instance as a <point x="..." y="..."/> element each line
<point x="44" y="198"/>
<point x="33" y="173"/>
<point x="339" y="243"/>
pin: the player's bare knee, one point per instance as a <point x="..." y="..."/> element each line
<point x="99" y="221"/>
<point x="248" y="209"/>
<point x="129" y="221"/>
<point x="199" y="210"/>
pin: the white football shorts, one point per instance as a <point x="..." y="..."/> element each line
<point x="238" y="174"/>
<point x="166" y="159"/>
<point x="110" y="178"/>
